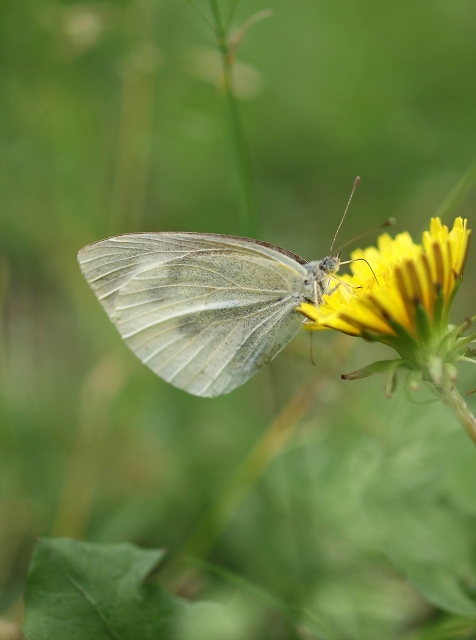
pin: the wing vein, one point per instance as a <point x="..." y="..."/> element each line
<point x="278" y="312"/>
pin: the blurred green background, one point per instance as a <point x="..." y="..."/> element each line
<point x="363" y="514"/>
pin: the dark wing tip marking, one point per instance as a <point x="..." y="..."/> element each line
<point x="268" y="245"/>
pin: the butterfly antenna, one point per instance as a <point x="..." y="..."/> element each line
<point x="346" y="284"/>
<point x="362" y="260"/>
<point x="357" y="180"/>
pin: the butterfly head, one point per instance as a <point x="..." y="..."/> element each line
<point x="320" y="269"/>
<point x="329" y="265"/>
<point x="319" y="278"/>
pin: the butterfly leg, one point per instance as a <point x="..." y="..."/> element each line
<point x="331" y="291"/>
<point x="346" y="284"/>
<point x="318" y="291"/>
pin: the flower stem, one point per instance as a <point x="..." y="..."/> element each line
<point x="237" y="134"/>
<point x="458" y="193"/>
<point x="461" y="412"/>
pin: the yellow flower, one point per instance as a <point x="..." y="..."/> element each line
<point x="405" y="276"/>
<point x="400" y="293"/>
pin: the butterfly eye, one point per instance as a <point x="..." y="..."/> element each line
<point x="306" y="282"/>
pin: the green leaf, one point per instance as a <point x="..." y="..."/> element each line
<point x="432" y="547"/>
<point x="83" y="591"/>
<point x="453" y="627"/>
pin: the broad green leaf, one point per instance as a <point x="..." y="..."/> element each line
<point x="83" y="591"/>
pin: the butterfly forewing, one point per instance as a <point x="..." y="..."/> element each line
<point x="204" y="312"/>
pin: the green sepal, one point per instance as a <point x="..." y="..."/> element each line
<point x="451" y="372"/>
<point x="390" y="378"/>
<point x="462" y="343"/>
<point x="373" y="337"/>
<point x="439" y="308"/>
<point x="454" y="345"/>
<point x="414" y="380"/>
<point x="407" y="392"/>
<point x="450" y="301"/>
<point x="410" y="343"/>
<point x="461" y="328"/>
<point x="423" y="324"/>
<point x="435" y="368"/>
<point x="412" y="383"/>
<point x="366" y="372"/>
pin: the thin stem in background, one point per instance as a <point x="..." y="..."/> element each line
<point x="79" y="489"/>
<point x="237" y="135"/>
<point x="231" y="15"/>
<point x="201" y="14"/>
<point x="133" y="153"/>
<point x="4" y="325"/>
<point x="458" y="193"/>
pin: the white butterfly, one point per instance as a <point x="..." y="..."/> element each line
<point x="205" y="312"/>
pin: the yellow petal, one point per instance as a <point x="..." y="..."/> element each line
<point x="390" y="280"/>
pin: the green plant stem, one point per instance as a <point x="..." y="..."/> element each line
<point x="458" y="193"/>
<point x="231" y="15"/>
<point x="237" y="135"/>
<point x="461" y="411"/>
<point x="200" y="13"/>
